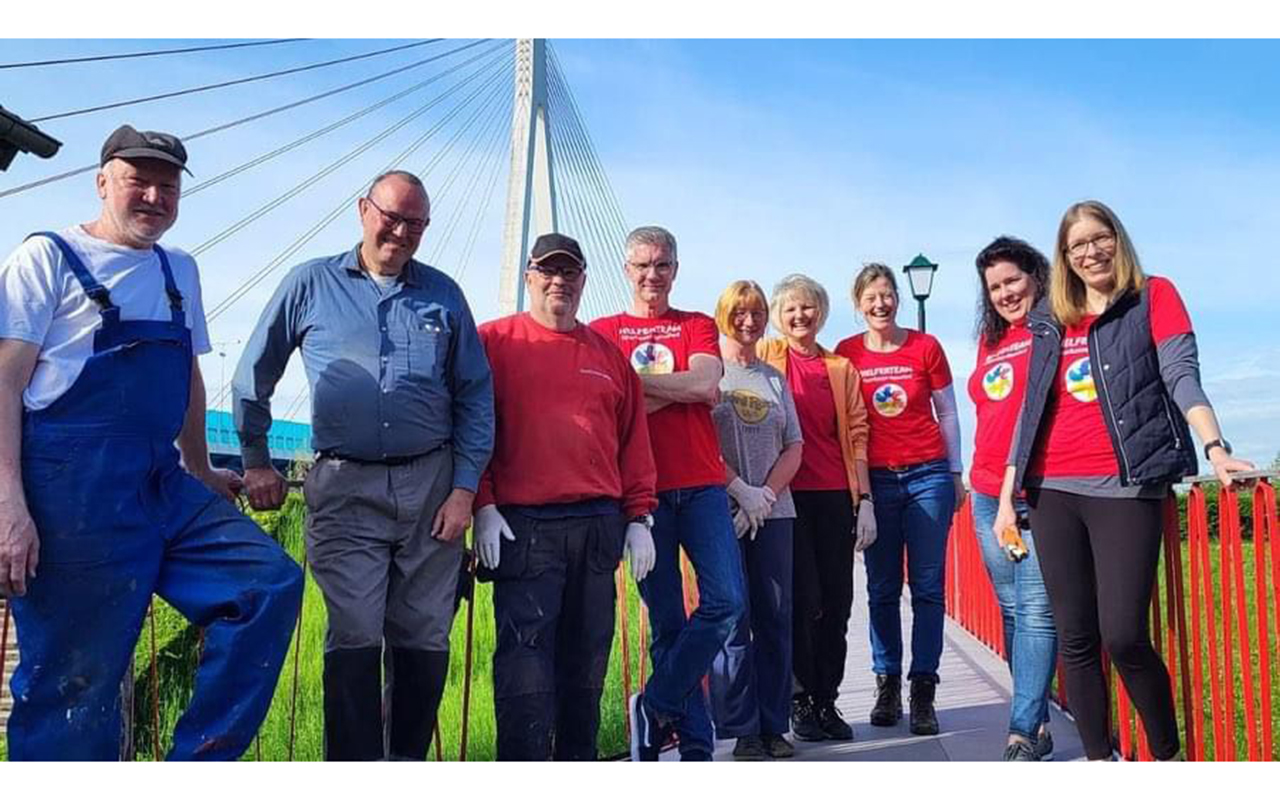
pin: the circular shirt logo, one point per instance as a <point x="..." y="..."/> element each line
<point x="750" y="407"/>
<point x="890" y="400"/>
<point x="653" y="358"/>
<point x="998" y="381"/>
<point x="1079" y="381"/>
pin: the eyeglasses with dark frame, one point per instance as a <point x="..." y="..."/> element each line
<point x="569" y="272"/>
<point x="1102" y="241"/>
<point x="393" y="221"/>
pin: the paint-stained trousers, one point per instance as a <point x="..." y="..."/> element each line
<point x="553" y="608"/>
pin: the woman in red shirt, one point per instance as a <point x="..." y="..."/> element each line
<point x="1012" y="275"/>
<point x="1113" y="383"/>
<point x="915" y="479"/>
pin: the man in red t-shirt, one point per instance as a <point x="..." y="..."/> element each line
<point x="677" y="356"/>
<point x="571" y="465"/>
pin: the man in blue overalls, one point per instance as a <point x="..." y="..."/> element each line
<point x="98" y="326"/>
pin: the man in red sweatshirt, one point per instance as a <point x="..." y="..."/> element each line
<point x="570" y="487"/>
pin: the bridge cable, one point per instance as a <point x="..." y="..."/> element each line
<point x="145" y="54"/>
<point x="335" y="165"/>
<point x="236" y="82"/>
<point x="255" y="117"/>
<point x="334" y="126"/>
<point x="489" y="194"/>
<point x="324" y="222"/>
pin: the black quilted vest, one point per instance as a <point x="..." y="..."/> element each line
<point x="1150" y="436"/>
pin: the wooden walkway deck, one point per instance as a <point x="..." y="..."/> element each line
<point x="972" y="702"/>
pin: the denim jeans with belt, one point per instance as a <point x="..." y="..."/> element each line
<point x="696" y="519"/>
<point x="914" y="506"/>
<point x="1029" y="637"/>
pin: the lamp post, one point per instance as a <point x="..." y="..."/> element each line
<point x="920" y="276"/>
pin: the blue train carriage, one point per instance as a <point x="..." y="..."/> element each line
<point x="289" y="442"/>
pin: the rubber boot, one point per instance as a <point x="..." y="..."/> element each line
<point x="888" y="707"/>
<point x="418" y="678"/>
<point x="353" y="704"/>
<point x="924" y="720"/>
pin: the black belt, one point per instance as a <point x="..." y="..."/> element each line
<point x="389" y="461"/>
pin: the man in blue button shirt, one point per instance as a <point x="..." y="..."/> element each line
<point x="402" y="422"/>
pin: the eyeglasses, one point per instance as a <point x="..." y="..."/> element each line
<point x="660" y="267"/>
<point x="412" y="225"/>
<point x="1102" y="241"/>
<point x="569" y="273"/>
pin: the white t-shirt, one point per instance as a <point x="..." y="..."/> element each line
<point x="44" y="304"/>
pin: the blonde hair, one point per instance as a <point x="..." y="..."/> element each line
<point x="1067" y="297"/>
<point x="739" y="294"/>
<point x="803" y="286"/>
<point x="871" y="272"/>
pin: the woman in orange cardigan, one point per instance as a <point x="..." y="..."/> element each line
<point x="834" y="514"/>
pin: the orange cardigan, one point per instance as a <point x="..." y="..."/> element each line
<point x="846" y="389"/>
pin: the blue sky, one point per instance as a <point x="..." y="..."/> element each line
<point x="770" y="157"/>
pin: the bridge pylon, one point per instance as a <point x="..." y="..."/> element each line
<point x="531" y="190"/>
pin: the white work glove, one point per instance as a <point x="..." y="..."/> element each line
<point x="639" y="550"/>
<point x="864" y="530"/>
<point x="755" y="501"/>
<point x="490" y="528"/>
<point x="742" y="525"/>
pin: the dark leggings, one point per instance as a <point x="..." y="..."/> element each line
<point x="822" y="589"/>
<point x="1098" y="556"/>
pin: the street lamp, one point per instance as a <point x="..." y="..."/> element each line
<point x="920" y="275"/>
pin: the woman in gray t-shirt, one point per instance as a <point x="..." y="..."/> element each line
<point x="760" y="439"/>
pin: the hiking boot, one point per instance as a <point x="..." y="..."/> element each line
<point x="804" y="721"/>
<point x="749" y="748"/>
<point x="924" y="720"/>
<point x="777" y="746"/>
<point x="832" y="723"/>
<point x="648" y="734"/>
<point x="1020" y="750"/>
<point x="888" y="707"/>
<point x="696" y="755"/>
<point x="1044" y="746"/>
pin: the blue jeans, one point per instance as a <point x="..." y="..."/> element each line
<point x="682" y="649"/>
<point x="751" y="678"/>
<point x="1029" y="637"/>
<point x="913" y="512"/>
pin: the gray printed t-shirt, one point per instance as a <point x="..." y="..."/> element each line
<point x="755" y="421"/>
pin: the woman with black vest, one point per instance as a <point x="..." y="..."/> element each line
<point x="1113" y="381"/>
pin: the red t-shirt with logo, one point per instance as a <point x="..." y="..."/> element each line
<point x="1075" y="442"/>
<point x="898" y="389"/>
<point x="996" y="387"/>
<point x="683" y="435"/>
<point x="822" y="467"/>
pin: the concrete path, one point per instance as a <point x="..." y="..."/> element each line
<point x="972" y="703"/>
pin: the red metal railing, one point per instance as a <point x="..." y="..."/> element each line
<point x="1211" y="613"/>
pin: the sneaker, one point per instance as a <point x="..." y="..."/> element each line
<point x="777" y="746"/>
<point x="832" y="723"/>
<point x="749" y="748"/>
<point x="647" y="734"/>
<point x="888" y="707"/>
<point x="924" y="720"/>
<point x="804" y="721"/>
<point x="1020" y="750"/>
<point x="1044" y="745"/>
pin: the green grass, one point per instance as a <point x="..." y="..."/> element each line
<point x="303" y="727"/>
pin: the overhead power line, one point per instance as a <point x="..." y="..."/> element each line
<point x="147" y="53"/>
<point x="236" y="82"/>
<point x="254" y="117"/>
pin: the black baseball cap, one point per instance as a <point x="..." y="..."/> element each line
<point x="556" y="244"/>
<point x="127" y="142"/>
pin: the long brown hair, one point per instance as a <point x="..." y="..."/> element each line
<point x="1066" y="290"/>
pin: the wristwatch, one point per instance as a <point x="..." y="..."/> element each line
<point x="1223" y="443"/>
<point x="866" y="497"/>
<point x="644" y="519"/>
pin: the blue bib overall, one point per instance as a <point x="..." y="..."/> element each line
<point x="119" y="519"/>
